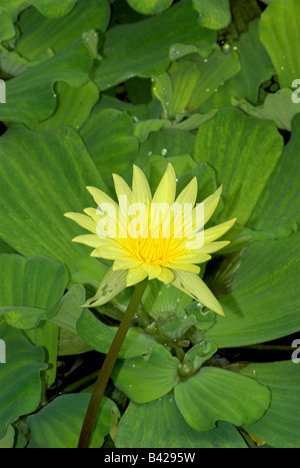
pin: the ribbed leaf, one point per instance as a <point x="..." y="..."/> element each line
<point x="59" y="423"/>
<point x="38" y="33"/>
<point x="281" y="207"/>
<point x="279" y="427"/>
<point x="171" y="429"/>
<point x="30" y="97"/>
<point x="109" y="137"/>
<point x="143" y="48"/>
<point x="264" y="301"/>
<point x="20" y="381"/>
<point x="232" y="157"/>
<point x="279" y="32"/>
<point x="219" y="395"/>
<point x="147" y="377"/>
<point x="43" y="176"/>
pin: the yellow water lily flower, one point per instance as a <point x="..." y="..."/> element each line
<point x="160" y="236"/>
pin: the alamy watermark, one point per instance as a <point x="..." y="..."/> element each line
<point x="296" y="353"/>
<point x="2" y="352"/>
<point x="296" y="93"/>
<point x="2" y="92"/>
<point x="157" y="220"/>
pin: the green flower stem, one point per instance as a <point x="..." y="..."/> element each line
<point x="108" y="365"/>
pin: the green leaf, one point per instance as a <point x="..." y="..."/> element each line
<point x="275" y="207"/>
<point x="29" y="287"/>
<point x="171" y="429"/>
<point x="190" y="82"/>
<point x="100" y="336"/>
<point x="30" y="97"/>
<point x="232" y="157"/>
<point x="213" y="14"/>
<point x="264" y="301"/>
<point x="256" y="67"/>
<point x="69" y="310"/>
<point x="60" y="169"/>
<point x="8" y="440"/>
<point x="278" y="107"/>
<point x="143" y="48"/>
<point x="74" y="106"/>
<point x="160" y="298"/>
<point x="58" y="424"/>
<point x="279" y="427"/>
<point x="109" y="137"/>
<point x="279" y="32"/>
<point x="147" y="377"/>
<point x="219" y="395"/>
<point x="38" y="33"/>
<point x="50" y="8"/>
<point x="20" y="381"/>
<point x="150" y="7"/>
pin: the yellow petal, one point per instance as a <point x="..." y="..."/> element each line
<point x="101" y="197"/>
<point x="111" y="250"/>
<point x="152" y="271"/>
<point x="135" y="275"/>
<point x="193" y="285"/>
<point x="122" y="188"/>
<point x="84" y="221"/>
<point x="211" y="203"/>
<point x="125" y="263"/>
<point x="88" y="239"/>
<point x="112" y="284"/>
<point x="189" y="193"/>
<point x="215" y="232"/>
<point x="166" y="275"/>
<point x="166" y="190"/>
<point x="205" y="209"/>
<point x="140" y="187"/>
<point x="213" y="247"/>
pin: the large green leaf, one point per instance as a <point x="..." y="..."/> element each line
<point x="279" y="427"/>
<point x="109" y="137"/>
<point x="38" y="33"/>
<point x="58" y="424"/>
<point x="30" y="96"/>
<point x="281" y="207"/>
<point x="279" y="32"/>
<point x="43" y="176"/>
<point x="20" y="381"/>
<point x="219" y="395"/>
<point x="28" y="288"/>
<point x="147" y="377"/>
<point x="264" y="301"/>
<point x="171" y="429"/>
<point x="232" y="157"/>
<point x="143" y="48"/>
